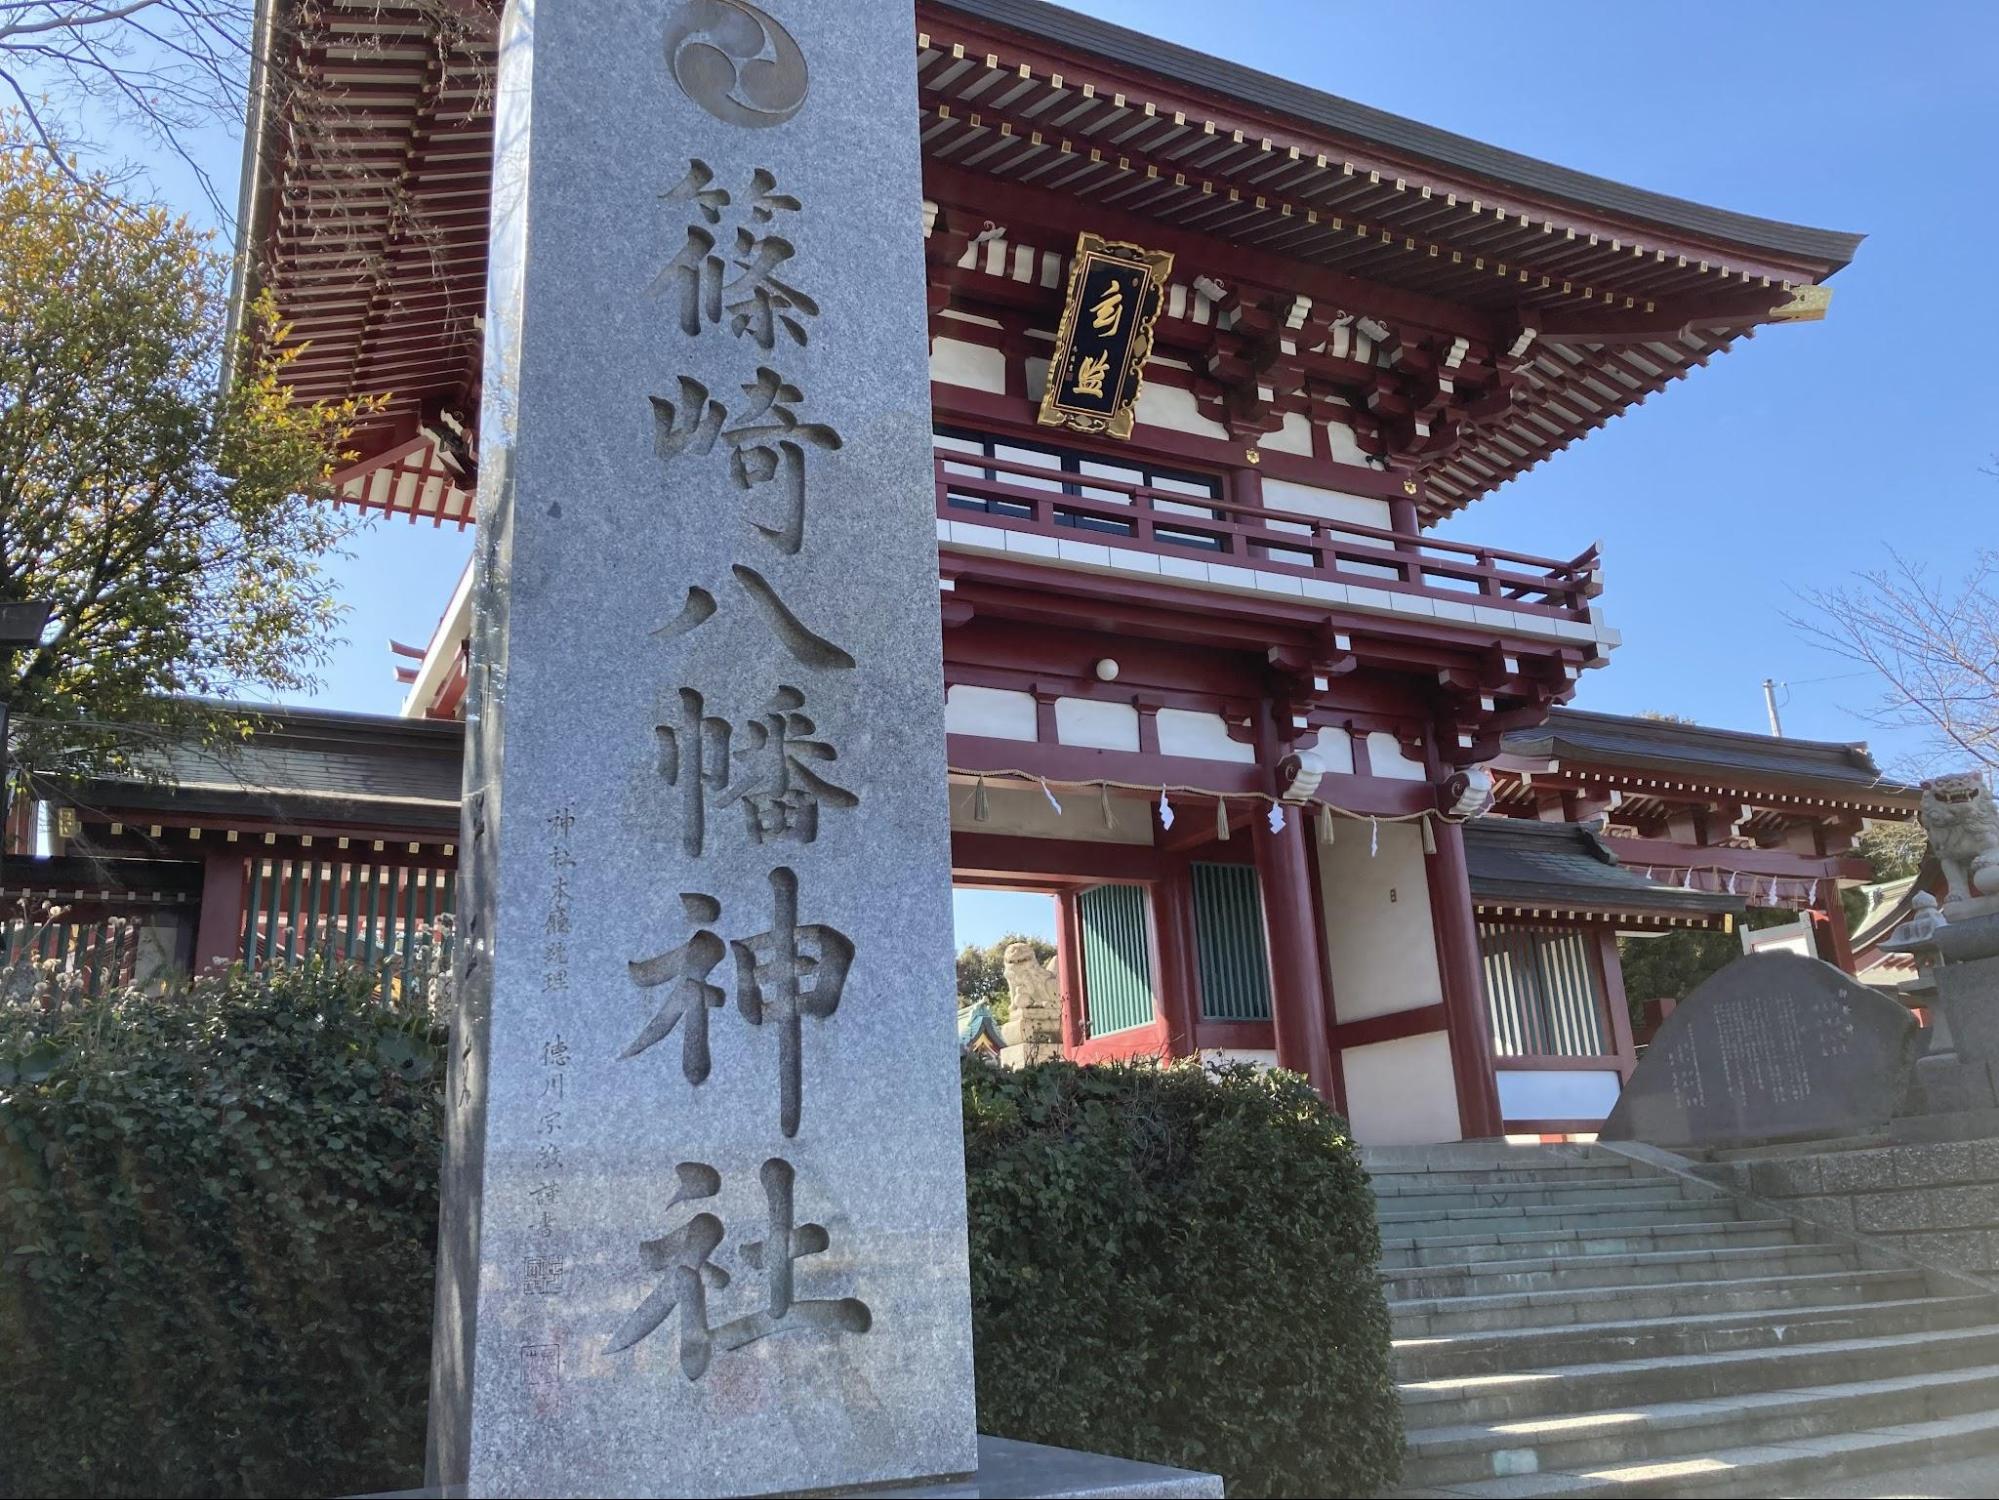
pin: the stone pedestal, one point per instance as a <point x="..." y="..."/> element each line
<point x="1968" y="995"/>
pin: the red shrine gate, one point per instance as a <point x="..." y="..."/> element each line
<point x="1221" y="586"/>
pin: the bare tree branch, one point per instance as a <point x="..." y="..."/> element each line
<point x="1935" y="648"/>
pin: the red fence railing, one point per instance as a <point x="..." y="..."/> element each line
<point x="1016" y="496"/>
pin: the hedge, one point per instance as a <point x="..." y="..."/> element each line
<point x="218" y="1220"/>
<point x="1179" y="1267"/>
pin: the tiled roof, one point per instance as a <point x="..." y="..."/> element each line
<point x="1296" y="101"/>
<point x="1521" y="862"/>
<point x="1636" y="743"/>
<point x="307" y="765"/>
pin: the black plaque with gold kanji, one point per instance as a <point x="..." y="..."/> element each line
<point x="1114" y="296"/>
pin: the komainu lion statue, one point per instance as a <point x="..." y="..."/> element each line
<point x="1963" y="824"/>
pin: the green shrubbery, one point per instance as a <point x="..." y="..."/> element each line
<point x="217" y="1220"/>
<point x="1180" y="1268"/>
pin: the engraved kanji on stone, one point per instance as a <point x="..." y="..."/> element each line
<point x="764" y="302"/>
<point x="776" y="786"/>
<point x="696" y="188"/>
<point x="686" y="1257"/>
<point x="693" y="758"/>
<point x="684" y="972"/>
<point x="769" y="443"/>
<point x="759" y="302"/>
<point x="785" y="974"/>
<point x="688" y="425"/>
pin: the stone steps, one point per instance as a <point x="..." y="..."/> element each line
<point x="1653" y="1208"/>
<point x="1620" y="1239"/>
<point x="1542" y="1392"/>
<point x="1568" y="1322"/>
<point x="1651" y="1268"/>
<point x="1546" y="1175"/>
<point x="1528" y="1197"/>
<point x="1538" y="1347"/>
<point x="1419" y="1316"/>
<point x="1572" y="1446"/>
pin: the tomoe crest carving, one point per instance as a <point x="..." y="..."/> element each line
<point x="736" y="62"/>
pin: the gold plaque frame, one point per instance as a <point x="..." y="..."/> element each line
<point x="1117" y="423"/>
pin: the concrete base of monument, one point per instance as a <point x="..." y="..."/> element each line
<point x="1029" y="1471"/>
<point x="1021" y="1471"/>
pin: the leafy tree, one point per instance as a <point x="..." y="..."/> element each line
<point x="1895" y="850"/>
<point x="1670" y="965"/>
<point x="175" y="530"/>
<point x="982" y="971"/>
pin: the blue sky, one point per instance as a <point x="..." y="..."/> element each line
<point x="1789" y="464"/>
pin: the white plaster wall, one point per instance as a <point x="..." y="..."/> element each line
<point x="1096" y="724"/>
<point x="1561" y="1095"/>
<point x="1169" y="406"/>
<point x="1381" y="949"/>
<point x="995" y="713"/>
<point x="1022" y="812"/>
<point x="1344" y="449"/>
<point x="1335" y="748"/>
<point x="1295" y="436"/>
<point x="1385" y="759"/>
<point x="956" y="362"/>
<point x="1182" y="731"/>
<point x="1329" y="505"/>
<point x="1402" y="1093"/>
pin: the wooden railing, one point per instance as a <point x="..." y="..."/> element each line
<point x="1014" y="496"/>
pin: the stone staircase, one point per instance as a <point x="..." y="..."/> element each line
<point x="1568" y="1322"/>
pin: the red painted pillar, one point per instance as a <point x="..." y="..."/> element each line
<point x="1616" y="1003"/>
<point x="1297" y="972"/>
<point x="1465" y="1018"/>
<point x="1069" y="965"/>
<point x="220" y="935"/>
<point x="1839" y="942"/>
<point x="1177" y="979"/>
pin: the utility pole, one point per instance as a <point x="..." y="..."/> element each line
<point x="1770" y="702"/>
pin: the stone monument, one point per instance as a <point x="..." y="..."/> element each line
<point x="1774" y="1047"/>
<point x="703" y="1223"/>
<point x="1033" y="1029"/>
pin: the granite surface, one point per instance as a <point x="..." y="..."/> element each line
<point x="1773" y="1047"/>
<point x="1030" y="1471"/>
<point x="1006" y="1467"/>
<point x="1968" y="994"/>
<point x="704" y="1219"/>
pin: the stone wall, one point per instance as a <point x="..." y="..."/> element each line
<point x="1936" y="1201"/>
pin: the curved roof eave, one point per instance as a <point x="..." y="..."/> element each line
<point x="1263" y="91"/>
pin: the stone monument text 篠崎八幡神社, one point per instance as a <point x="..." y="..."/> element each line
<point x="703" y="1225"/>
<point x="704" y="1222"/>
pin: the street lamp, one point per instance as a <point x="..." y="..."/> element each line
<point x="21" y="625"/>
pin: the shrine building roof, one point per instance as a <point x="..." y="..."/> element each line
<point x="1694" y="756"/>
<point x="1523" y="868"/>
<point x="1511" y="305"/>
<point x="303" y="767"/>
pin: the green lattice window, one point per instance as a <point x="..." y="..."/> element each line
<point x="1228" y="930"/>
<point x="1117" y="958"/>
